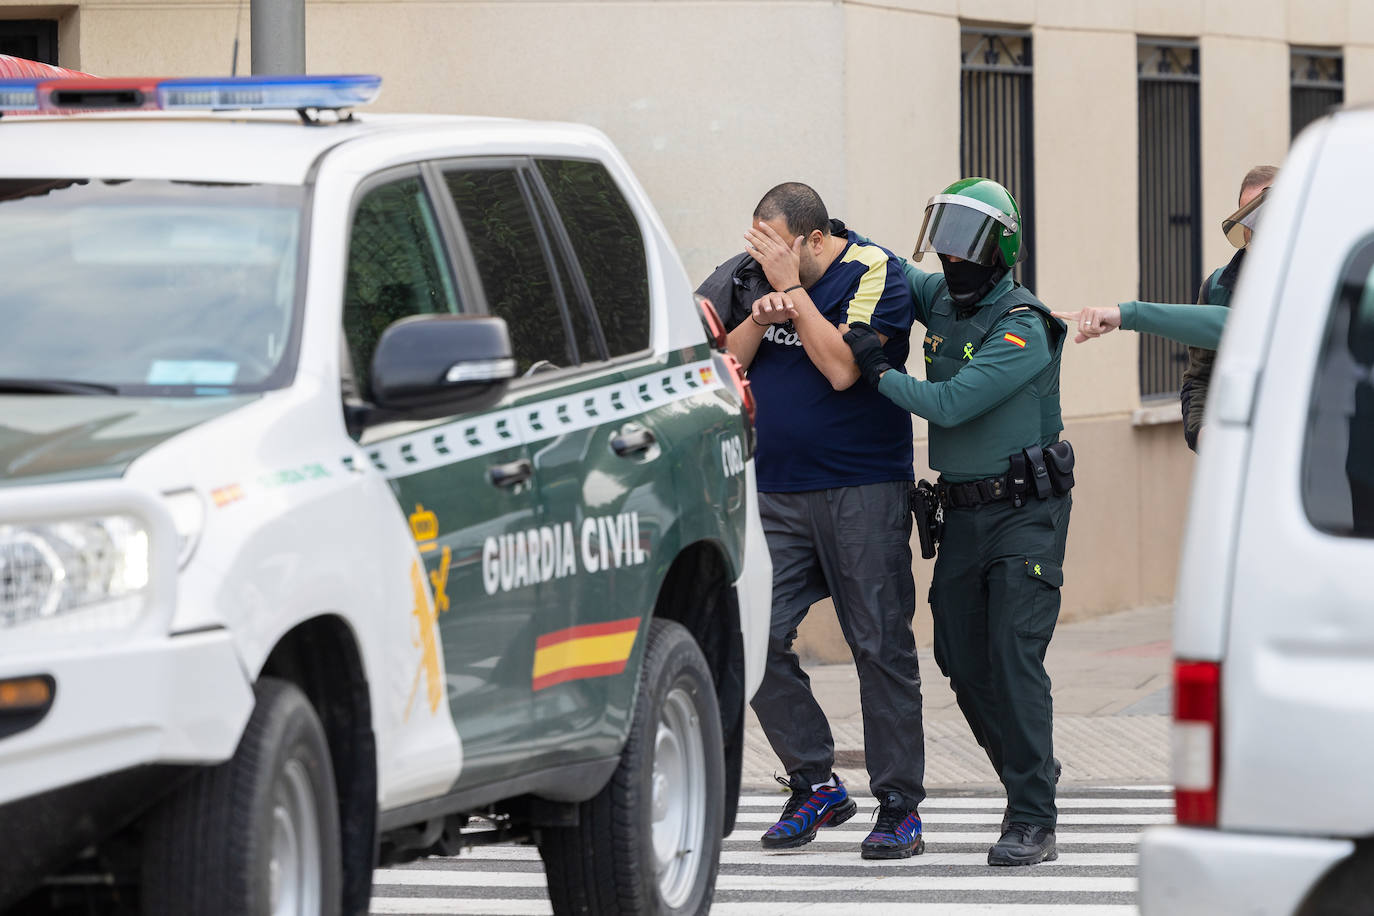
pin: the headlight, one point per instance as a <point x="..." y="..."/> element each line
<point x="83" y="574"/>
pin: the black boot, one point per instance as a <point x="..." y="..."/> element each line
<point x="1006" y="812"/>
<point x="1024" y="844"/>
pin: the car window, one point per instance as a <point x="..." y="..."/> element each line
<point x="145" y="287"/>
<point x="396" y="268"/>
<point x="1338" y="454"/>
<point x="508" y="249"/>
<point x="609" y="246"/>
<point x="583" y="321"/>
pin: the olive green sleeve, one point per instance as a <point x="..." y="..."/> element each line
<point x="924" y="288"/>
<point x="1194" y="325"/>
<point x="1015" y="352"/>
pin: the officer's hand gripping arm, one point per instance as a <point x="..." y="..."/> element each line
<point x="868" y="352"/>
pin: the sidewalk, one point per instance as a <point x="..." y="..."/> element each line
<point x="1111" y="678"/>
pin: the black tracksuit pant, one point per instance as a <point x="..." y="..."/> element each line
<point x="852" y="544"/>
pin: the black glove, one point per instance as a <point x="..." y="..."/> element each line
<point x="868" y="352"/>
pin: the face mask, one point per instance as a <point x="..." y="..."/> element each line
<point x="969" y="282"/>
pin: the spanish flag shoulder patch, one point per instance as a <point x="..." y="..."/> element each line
<point x="1020" y="342"/>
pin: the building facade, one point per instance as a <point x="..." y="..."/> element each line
<point x="1123" y="126"/>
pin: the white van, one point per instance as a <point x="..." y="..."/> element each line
<point x="1274" y="631"/>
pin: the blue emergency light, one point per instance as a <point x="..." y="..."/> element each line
<point x="223" y="93"/>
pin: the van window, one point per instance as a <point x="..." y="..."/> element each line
<point x="508" y="249"/>
<point x="1338" y="455"/>
<point x="395" y="268"/>
<point x="609" y="246"/>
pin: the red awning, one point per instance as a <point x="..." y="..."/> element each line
<point x="18" y="68"/>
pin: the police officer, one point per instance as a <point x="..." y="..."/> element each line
<point x="991" y="394"/>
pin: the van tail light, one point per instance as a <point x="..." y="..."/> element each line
<point x="716" y="333"/>
<point x="746" y="395"/>
<point x="1196" y="742"/>
<point x="710" y="319"/>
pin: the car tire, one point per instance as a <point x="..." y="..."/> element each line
<point x="258" y="834"/>
<point x="649" y="843"/>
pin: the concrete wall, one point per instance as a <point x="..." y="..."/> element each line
<point x="714" y="102"/>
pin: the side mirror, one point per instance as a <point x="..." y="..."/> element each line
<point x="428" y="366"/>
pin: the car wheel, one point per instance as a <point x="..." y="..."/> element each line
<point x="649" y="843"/>
<point x="257" y="835"/>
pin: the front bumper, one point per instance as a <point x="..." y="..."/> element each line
<point x="180" y="699"/>
<point x="51" y="829"/>
<point x="1187" y="870"/>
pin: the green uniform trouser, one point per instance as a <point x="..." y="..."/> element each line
<point x="995" y="601"/>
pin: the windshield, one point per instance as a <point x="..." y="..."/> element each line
<point x="147" y="287"/>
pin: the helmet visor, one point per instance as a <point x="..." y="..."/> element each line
<point x="961" y="227"/>
<point x="1247" y="217"/>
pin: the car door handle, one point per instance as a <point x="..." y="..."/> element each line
<point x="632" y="440"/>
<point x="508" y="475"/>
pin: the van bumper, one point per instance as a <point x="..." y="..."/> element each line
<point x="172" y="700"/>
<point x="1189" y="870"/>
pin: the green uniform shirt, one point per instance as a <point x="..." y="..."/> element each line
<point x="1194" y="325"/>
<point x="1017" y="350"/>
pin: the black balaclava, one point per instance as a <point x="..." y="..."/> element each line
<point x="968" y="281"/>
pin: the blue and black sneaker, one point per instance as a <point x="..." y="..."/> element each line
<point x="897" y="834"/>
<point x="807" y="811"/>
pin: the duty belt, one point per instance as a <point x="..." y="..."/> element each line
<point x="972" y="493"/>
<point x="1034" y="471"/>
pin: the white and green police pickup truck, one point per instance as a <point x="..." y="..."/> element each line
<point x="369" y="488"/>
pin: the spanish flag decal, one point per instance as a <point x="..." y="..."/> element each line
<point x="593" y="650"/>
<point x="1014" y="339"/>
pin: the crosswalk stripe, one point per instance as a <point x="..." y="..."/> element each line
<point x="988" y="837"/>
<point x="832" y="837"/>
<point x="928" y="860"/>
<point x="989" y="817"/>
<point x="933" y="909"/>
<point x="457" y="907"/>
<point x="777" y="800"/>
<point x="807" y="883"/>
<point x="431" y="907"/>
<point x="452" y="878"/>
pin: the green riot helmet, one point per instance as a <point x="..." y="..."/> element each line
<point x="975" y="219"/>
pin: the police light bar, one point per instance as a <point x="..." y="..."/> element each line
<point x="225" y="93"/>
<point x="19" y="95"/>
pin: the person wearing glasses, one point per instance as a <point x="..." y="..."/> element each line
<point x="1199" y="328"/>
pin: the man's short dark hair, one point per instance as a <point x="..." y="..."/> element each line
<point x="799" y="206"/>
<point x="1261" y="176"/>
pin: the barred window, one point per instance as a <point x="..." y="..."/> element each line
<point x="1170" y="197"/>
<point x="996" y="126"/>
<point x="1318" y="84"/>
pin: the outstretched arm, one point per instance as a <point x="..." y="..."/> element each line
<point x="1194" y="325"/>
